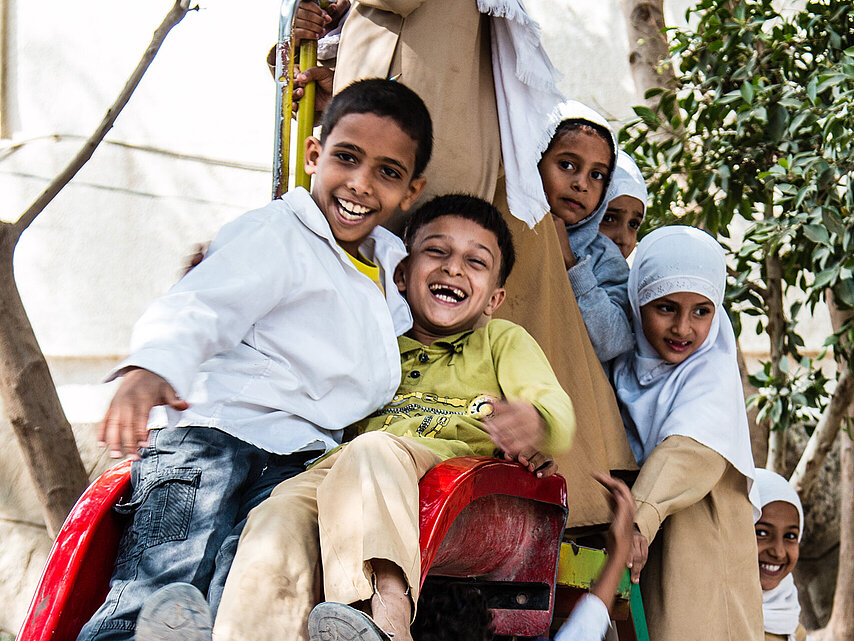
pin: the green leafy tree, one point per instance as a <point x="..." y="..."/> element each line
<point x="754" y="143"/>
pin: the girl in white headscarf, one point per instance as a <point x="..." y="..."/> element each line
<point x="778" y="534"/>
<point x="625" y="206"/>
<point x="682" y="403"/>
<point x="576" y="169"/>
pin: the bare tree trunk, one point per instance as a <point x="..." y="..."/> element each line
<point x="27" y="389"/>
<point x="776" y="335"/>
<point x="841" y="624"/>
<point x="758" y="430"/>
<point x="649" y="50"/>
<point x="835" y="413"/>
<point x="31" y="402"/>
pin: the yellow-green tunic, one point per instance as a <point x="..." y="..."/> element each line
<point x="447" y="388"/>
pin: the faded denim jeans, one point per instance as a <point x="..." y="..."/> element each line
<point x="192" y="491"/>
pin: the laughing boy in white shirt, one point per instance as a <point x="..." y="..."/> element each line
<point x="263" y="353"/>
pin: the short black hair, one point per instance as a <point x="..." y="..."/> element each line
<point x="471" y="208"/>
<point x="390" y="99"/>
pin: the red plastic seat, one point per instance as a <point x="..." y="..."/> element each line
<point x="480" y="517"/>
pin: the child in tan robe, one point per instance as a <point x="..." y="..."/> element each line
<point x="680" y="393"/>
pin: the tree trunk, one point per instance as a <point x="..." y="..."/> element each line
<point x="26" y="386"/>
<point x="649" y="51"/>
<point x="834" y="414"/>
<point x="776" y="335"/>
<point x="31" y="403"/>
<point x="841" y="624"/>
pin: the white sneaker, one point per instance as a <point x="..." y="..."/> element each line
<point x="330" y="621"/>
<point x="176" y="612"/>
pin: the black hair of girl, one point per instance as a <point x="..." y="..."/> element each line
<point x="593" y="128"/>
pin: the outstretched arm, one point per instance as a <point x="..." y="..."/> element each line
<point x="590" y="618"/>
<point x="125" y="425"/>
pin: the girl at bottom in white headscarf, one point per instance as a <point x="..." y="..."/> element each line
<point x="681" y="399"/>
<point x="778" y="536"/>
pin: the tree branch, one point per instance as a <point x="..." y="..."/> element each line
<point x="757" y="289"/>
<point x="823" y="437"/>
<point x="175" y="15"/>
<point x="776" y="335"/>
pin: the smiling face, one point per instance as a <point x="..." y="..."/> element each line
<point x="574" y="173"/>
<point x="621" y="222"/>
<point x="362" y="175"/>
<point x="777" y="539"/>
<point x="450" y="277"/>
<point x="677" y="324"/>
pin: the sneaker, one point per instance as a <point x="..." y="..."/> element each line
<point x="176" y="612"/>
<point x="338" y="622"/>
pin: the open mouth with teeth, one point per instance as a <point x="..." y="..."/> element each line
<point x="447" y="293"/>
<point x="352" y="211"/>
<point x="770" y="568"/>
<point x="679" y="346"/>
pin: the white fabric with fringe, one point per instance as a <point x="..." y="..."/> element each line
<point x="526" y="93"/>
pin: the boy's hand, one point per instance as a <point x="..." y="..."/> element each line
<point x="538" y="463"/>
<point x="639" y="554"/>
<point x="516" y="428"/>
<point x="621" y="533"/>
<point x="311" y="22"/>
<point x="322" y="77"/>
<point x="125" y="425"/>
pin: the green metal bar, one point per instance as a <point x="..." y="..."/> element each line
<point x="638" y="614"/>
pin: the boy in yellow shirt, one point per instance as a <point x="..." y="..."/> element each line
<point x="348" y="527"/>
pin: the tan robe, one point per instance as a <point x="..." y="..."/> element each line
<point x="441" y="51"/>
<point x="702" y="579"/>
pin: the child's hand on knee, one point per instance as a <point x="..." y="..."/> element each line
<point x="124" y="428"/>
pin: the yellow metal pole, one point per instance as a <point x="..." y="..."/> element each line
<point x="305" y="115"/>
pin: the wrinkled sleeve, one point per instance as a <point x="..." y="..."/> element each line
<point x="524" y="374"/>
<point x="603" y="301"/>
<point x="212" y="308"/>
<point x="679" y="473"/>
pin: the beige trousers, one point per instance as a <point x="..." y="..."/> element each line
<point x="313" y="539"/>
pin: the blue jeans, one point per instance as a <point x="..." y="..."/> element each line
<point x="192" y="491"/>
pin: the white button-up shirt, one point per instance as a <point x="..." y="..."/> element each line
<point x="276" y="338"/>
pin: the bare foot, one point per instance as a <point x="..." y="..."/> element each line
<point x="391" y="605"/>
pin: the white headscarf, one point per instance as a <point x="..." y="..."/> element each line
<point x="780" y="607"/>
<point x="526" y="93"/>
<point x="582" y="233"/>
<point x="627" y="181"/>
<point x="701" y="397"/>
